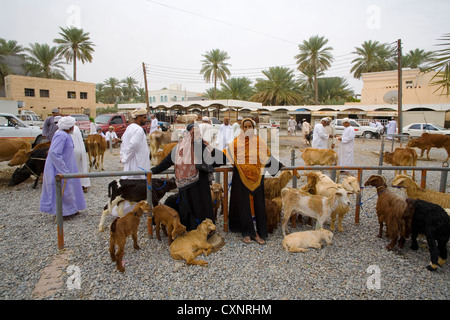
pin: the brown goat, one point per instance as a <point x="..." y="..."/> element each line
<point x="390" y="211"/>
<point x="273" y="186"/>
<point x="402" y="157"/>
<point x="168" y="218"/>
<point x="273" y="211"/>
<point x="122" y="228"/>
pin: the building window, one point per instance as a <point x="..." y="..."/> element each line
<point x="83" y="95"/>
<point x="71" y="95"/>
<point x="44" y="93"/>
<point x="29" y="92"/>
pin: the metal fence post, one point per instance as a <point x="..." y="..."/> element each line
<point x="59" y="213"/>
<point x="150" y="203"/>
<point x="294" y="177"/>
<point x="443" y="185"/>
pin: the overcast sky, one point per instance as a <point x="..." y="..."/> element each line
<point x="171" y="36"/>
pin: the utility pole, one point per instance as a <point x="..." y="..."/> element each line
<point x="400" y="94"/>
<point x="146" y="88"/>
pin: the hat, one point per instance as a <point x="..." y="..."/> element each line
<point x="346" y="120"/>
<point x="55" y="110"/>
<point x="205" y="119"/>
<point x="138" y="112"/>
<point x="240" y="118"/>
<point x="111" y="127"/>
<point x="326" y="119"/>
<point x="65" y="123"/>
<point x="56" y="119"/>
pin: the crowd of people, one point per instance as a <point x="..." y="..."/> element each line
<point x="194" y="159"/>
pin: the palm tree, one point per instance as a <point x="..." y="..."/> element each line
<point x="140" y="95"/>
<point x="441" y="64"/>
<point x="280" y="88"/>
<point x="129" y="88"/>
<point x="112" y="90"/>
<point x="44" y="62"/>
<point x="416" y="58"/>
<point x="237" y="88"/>
<point x="372" y="57"/>
<point x="313" y="54"/>
<point x="214" y="67"/>
<point x="333" y="90"/>
<point x="10" y="47"/>
<point x="75" y="45"/>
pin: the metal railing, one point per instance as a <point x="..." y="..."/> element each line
<point x="226" y="170"/>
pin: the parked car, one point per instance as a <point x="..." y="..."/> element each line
<point x="116" y="120"/>
<point x="275" y="124"/>
<point x="82" y="122"/>
<point x="31" y="120"/>
<point x="164" y="125"/>
<point x="13" y="127"/>
<point x="416" y="129"/>
<point x="366" y="132"/>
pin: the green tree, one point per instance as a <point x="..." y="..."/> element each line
<point x="43" y="61"/>
<point x="237" y="88"/>
<point x="214" y="67"/>
<point x="129" y="88"/>
<point x="333" y="90"/>
<point x="372" y="56"/>
<point x="441" y="65"/>
<point x="75" y="45"/>
<point x="112" y="90"/>
<point x="315" y="57"/>
<point x="417" y="58"/>
<point x="8" y="47"/>
<point x="280" y="88"/>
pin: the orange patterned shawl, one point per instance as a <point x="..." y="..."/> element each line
<point x="249" y="155"/>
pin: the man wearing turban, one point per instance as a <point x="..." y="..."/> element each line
<point x="61" y="159"/>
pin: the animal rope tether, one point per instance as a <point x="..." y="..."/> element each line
<point x="361" y="203"/>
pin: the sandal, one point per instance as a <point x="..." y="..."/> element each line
<point x="259" y="240"/>
<point x="246" y="240"/>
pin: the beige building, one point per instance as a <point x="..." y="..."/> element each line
<point x="382" y="88"/>
<point x="42" y="95"/>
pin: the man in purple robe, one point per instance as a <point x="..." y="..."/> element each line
<point x="49" y="128"/>
<point x="61" y="159"/>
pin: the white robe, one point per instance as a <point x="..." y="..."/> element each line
<point x="154" y="125"/>
<point x="134" y="152"/>
<point x="291" y="125"/>
<point x="391" y="128"/>
<point x="345" y="152"/>
<point x="225" y="136"/>
<point x="320" y="137"/>
<point x="206" y="131"/>
<point x="80" y="155"/>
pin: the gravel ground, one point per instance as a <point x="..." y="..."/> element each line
<point x="28" y="245"/>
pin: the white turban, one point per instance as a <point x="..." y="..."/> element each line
<point x="66" y="123"/>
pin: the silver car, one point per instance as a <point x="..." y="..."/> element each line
<point x="13" y="127"/>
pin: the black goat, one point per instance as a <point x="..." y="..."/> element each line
<point x="34" y="166"/>
<point x="433" y="221"/>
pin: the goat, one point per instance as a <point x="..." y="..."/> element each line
<point x="402" y="157"/>
<point x="273" y="210"/>
<point x="313" y="206"/>
<point x="134" y="191"/>
<point x="433" y="221"/>
<point x="413" y="190"/>
<point x="390" y="211"/>
<point x="273" y="186"/>
<point x="320" y="184"/>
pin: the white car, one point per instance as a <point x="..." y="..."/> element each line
<point x="416" y="129"/>
<point x="366" y="132"/>
<point x="13" y="127"/>
<point x="31" y="119"/>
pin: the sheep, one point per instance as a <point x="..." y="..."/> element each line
<point x="273" y="211"/>
<point x="390" y="211"/>
<point x="273" y="186"/>
<point x="320" y="184"/>
<point x="314" y="206"/>
<point x="413" y="190"/>
<point x="433" y="221"/>
<point x="402" y="157"/>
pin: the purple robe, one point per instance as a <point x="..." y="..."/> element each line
<point x="61" y="159"/>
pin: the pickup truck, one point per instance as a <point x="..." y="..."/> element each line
<point x="366" y="132"/>
<point x="13" y="127"/>
<point x="118" y="121"/>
